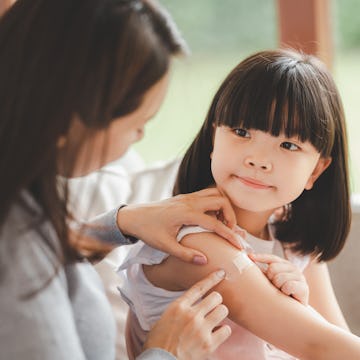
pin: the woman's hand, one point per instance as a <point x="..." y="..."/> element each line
<point x="190" y="329"/>
<point x="158" y="223"/>
<point x="285" y="276"/>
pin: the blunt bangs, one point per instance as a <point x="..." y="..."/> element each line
<point x="279" y="94"/>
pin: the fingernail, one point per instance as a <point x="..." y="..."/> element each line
<point x="220" y="273"/>
<point x="199" y="260"/>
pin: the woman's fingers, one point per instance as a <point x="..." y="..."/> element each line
<point x="197" y="291"/>
<point x="209" y="200"/>
<point x="220" y="335"/>
<point x="208" y="303"/>
<point x="217" y="203"/>
<point x="213" y="224"/>
<point x="213" y="191"/>
<point x="189" y="326"/>
<point x="158" y="224"/>
<point x="217" y="315"/>
<point x="172" y="247"/>
<point x="208" y="192"/>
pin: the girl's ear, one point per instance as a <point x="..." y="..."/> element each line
<point x="321" y="166"/>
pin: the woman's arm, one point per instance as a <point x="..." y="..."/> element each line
<point x="255" y="304"/>
<point x="322" y="296"/>
<point x="158" y="223"/>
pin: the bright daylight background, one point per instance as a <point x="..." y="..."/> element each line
<point x="220" y="34"/>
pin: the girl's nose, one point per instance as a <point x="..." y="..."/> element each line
<point x="258" y="164"/>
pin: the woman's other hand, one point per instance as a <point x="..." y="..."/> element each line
<point x="190" y="329"/>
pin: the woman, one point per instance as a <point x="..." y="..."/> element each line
<point x="78" y="81"/>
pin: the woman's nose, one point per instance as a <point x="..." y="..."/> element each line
<point x="258" y="164"/>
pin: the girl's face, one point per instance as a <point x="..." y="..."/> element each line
<point x="106" y="145"/>
<point x="260" y="172"/>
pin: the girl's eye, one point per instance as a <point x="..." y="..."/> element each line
<point x="242" y="133"/>
<point x="289" y="146"/>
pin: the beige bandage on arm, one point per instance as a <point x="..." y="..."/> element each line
<point x="240" y="263"/>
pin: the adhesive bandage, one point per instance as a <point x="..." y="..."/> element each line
<point x="242" y="261"/>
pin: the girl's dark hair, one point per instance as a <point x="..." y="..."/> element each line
<point x="283" y="91"/>
<point x="91" y="58"/>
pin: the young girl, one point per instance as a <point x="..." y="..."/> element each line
<point x="274" y="142"/>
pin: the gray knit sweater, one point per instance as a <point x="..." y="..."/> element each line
<point x="50" y="311"/>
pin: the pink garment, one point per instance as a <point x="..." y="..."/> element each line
<point x="243" y="344"/>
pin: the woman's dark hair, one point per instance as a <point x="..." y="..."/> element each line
<point x="283" y="91"/>
<point x="91" y="58"/>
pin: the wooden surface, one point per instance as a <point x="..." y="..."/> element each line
<point x="306" y="25"/>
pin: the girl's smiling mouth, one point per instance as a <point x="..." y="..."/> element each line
<point x="253" y="183"/>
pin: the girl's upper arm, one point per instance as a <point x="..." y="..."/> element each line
<point x="256" y="304"/>
<point x="322" y="295"/>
